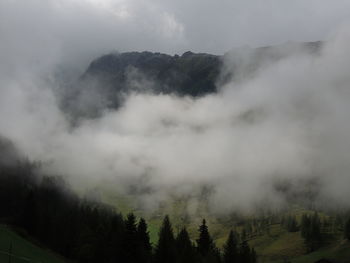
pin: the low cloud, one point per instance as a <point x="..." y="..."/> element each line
<point x="287" y="124"/>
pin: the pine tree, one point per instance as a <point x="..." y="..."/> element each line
<point x="131" y="244"/>
<point x="230" y="249"/>
<point x="305" y="226"/>
<point x="311" y="231"/>
<point x="347" y="230"/>
<point x="316" y="237"/>
<point x="316" y="221"/>
<point x="292" y="225"/>
<point x="116" y="233"/>
<point x="243" y="234"/>
<point x="204" y="242"/>
<point x="166" y="250"/>
<point x="253" y="256"/>
<point x="143" y="237"/>
<point x="244" y="253"/>
<point x="206" y="246"/>
<point x="185" y="249"/>
<point x="130" y="225"/>
<point x="283" y="221"/>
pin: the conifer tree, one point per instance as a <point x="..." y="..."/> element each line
<point x="292" y="225"/>
<point x="347" y="230"/>
<point x="230" y="250"/>
<point x="253" y="256"/>
<point x="316" y="226"/>
<point x="131" y="244"/>
<point x="244" y="253"/>
<point x="243" y="234"/>
<point x="130" y="224"/>
<point x="185" y="249"/>
<point x="166" y="250"/>
<point x="311" y="231"/>
<point x="204" y="242"/>
<point x="116" y="237"/>
<point x="206" y="246"/>
<point x="130" y="241"/>
<point x="316" y="237"/>
<point x="143" y="237"/>
<point x="305" y="226"/>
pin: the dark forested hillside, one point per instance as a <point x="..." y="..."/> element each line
<point x="88" y="231"/>
<point x="110" y="78"/>
<point x="189" y="74"/>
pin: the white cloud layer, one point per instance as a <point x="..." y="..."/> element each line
<point x="290" y="121"/>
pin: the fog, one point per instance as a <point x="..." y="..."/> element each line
<point x="287" y="123"/>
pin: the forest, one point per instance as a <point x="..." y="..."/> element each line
<point x="83" y="230"/>
<point x="88" y="231"/>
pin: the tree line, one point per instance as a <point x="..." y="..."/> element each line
<point x="314" y="230"/>
<point x="88" y="231"/>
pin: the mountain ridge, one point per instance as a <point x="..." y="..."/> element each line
<point x="111" y="77"/>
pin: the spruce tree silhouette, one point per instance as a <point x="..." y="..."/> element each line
<point x="165" y="251"/>
<point x="205" y="245"/>
<point x="230" y="250"/>
<point x="144" y="239"/>
<point x="185" y="249"/>
<point x="204" y="242"/>
<point x="131" y="244"/>
<point x="244" y="253"/>
<point x="347" y="230"/>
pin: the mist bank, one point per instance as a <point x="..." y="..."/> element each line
<point x="111" y="78"/>
<point x="269" y="135"/>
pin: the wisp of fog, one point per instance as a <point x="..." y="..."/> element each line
<point x="287" y="124"/>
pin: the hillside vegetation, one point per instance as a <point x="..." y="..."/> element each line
<point x="109" y="78"/>
<point x="23" y="250"/>
<point x="271" y="240"/>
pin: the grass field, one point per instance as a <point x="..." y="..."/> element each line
<point x="336" y="253"/>
<point x="23" y="250"/>
<point x="276" y="246"/>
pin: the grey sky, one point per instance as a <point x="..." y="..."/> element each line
<point x="216" y="26"/>
<point x="83" y="29"/>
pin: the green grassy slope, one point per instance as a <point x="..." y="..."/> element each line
<point x="276" y="245"/>
<point x="23" y="250"/>
<point x="338" y="252"/>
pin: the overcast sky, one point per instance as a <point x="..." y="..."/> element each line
<point x="216" y="26"/>
<point x="77" y="29"/>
